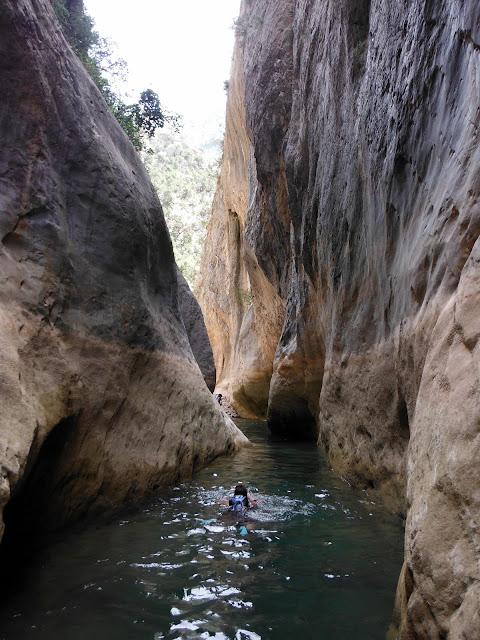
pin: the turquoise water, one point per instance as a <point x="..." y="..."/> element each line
<point x="319" y="561"/>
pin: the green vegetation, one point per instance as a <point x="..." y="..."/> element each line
<point x="244" y="296"/>
<point x="244" y="23"/>
<point x="185" y="182"/>
<point x="184" y="179"/>
<point x="138" y="120"/>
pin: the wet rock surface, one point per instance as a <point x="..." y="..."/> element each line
<point x="228" y="409"/>
<point x="362" y="189"/>
<point x="102" y="399"/>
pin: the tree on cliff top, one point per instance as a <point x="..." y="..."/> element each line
<point x="138" y="120"/>
<point x="185" y="182"/>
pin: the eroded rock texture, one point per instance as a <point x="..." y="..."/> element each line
<point x="358" y="245"/>
<point x="196" y="331"/>
<point x="245" y="265"/>
<point x="101" y="398"/>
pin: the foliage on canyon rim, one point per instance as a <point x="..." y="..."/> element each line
<point x="184" y="179"/>
<point x="140" y="119"/>
<point x="185" y="182"/>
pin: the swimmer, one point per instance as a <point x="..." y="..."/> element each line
<point x="241" y="500"/>
<point x="238" y="504"/>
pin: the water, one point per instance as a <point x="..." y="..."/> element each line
<point x="320" y="561"/>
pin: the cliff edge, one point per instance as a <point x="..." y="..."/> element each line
<point x="356" y="251"/>
<point x="102" y="400"/>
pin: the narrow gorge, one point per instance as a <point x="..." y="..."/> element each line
<point x="338" y="302"/>
<point x="102" y="398"/>
<point x="340" y="279"/>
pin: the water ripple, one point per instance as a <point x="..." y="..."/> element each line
<point x="313" y="560"/>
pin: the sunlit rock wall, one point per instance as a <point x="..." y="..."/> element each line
<point x="372" y="245"/>
<point x="101" y="398"/>
<point x="239" y="288"/>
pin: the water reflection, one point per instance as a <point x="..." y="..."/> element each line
<point x="316" y="559"/>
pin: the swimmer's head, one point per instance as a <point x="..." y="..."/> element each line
<point x="240" y="490"/>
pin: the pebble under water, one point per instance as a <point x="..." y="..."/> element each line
<point x="320" y="561"/>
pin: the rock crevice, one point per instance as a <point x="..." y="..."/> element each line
<point x="359" y="234"/>
<point x="102" y="399"/>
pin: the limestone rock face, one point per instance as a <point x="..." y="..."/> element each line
<point x="196" y="331"/>
<point x="240" y="289"/>
<point x="101" y="397"/>
<point x="362" y="185"/>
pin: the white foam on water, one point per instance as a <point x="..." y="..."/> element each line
<point x="243" y="634"/>
<point x="236" y="554"/>
<point x="199" y="593"/>
<point x="156" y="565"/>
<point x="240" y="604"/>
<point x="280" y="508"/>
<point x="209" y="593"/>
<point x="235" y="542"/>
<point x="187" y="625"/>
<point x="328" y="506"/>
<point x="229" y="591"/>
<point x="214" y="528"/>
<point x="205" y="549"/>
<point x="270" y="507"/>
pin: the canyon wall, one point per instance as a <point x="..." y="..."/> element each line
<point x="102" y="400"/>
<point x="244" y="279"/>
<point x="194" y="324"/>
<point x="352" y="174"/>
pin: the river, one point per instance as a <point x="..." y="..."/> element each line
<point x="317" y="560"/>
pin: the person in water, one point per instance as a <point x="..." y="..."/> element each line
<point x="238" y="504"/>
<point x="240" y="501"/>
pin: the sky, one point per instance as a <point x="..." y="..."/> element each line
<point x="181" y="49"/>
